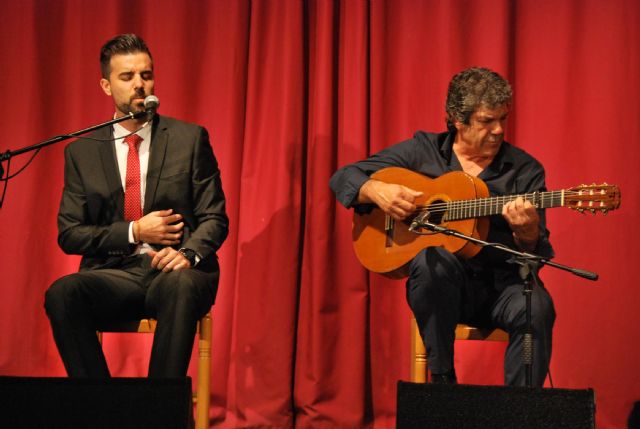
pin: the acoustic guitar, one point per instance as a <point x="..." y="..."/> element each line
<point x="457" y="201"/>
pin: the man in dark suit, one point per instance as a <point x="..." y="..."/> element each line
<point x="143" y="204"/>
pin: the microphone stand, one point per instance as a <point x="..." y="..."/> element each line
<point x="529" y="263"/>
<point x="9" y="154"/>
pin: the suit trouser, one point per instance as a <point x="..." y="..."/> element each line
<point x="442" y="291"/>
<point x="81" y="303"/>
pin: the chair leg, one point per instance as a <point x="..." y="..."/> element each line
<point x="419" y="367"/>
<point x="418" y="355"/>
<point x="204" y="373"/>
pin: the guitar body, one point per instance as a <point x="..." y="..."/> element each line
<point x="386" y="246"/>
<point x="455" y="201"/>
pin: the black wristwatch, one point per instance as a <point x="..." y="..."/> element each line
<point x="189" y="254"/>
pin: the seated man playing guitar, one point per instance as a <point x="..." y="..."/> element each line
<point x="443" y="288"/>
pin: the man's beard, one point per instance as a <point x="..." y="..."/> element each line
<point x="135" y="104"/>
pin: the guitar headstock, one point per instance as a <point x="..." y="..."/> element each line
<point x="593" y="198"/>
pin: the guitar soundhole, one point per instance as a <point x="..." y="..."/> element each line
<point x="436" y="211"/>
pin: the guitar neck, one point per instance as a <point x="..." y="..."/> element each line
<point x="467" y="209"/>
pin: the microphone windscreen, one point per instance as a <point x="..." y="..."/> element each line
<point x="151" y="102"/>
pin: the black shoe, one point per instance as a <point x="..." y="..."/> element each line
<point x="446" y="378"/>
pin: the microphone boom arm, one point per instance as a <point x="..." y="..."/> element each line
<point x="9" y="154"/>
<point x="421" y="223"/>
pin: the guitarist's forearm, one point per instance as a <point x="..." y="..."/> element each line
<point x="366" y="192"/>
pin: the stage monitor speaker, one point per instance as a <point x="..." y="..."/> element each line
<point x="52" y="403"/>
<point x="441" y="406"/>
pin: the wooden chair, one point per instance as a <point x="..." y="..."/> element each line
<point x="201" y="396"/>
<point x="419" y="366"/>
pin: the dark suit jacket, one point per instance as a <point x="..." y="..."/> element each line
<point x="183" y="175"/>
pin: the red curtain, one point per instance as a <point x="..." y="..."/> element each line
<point x="290" y="91"/>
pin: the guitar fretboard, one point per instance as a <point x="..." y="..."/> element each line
<point x="467" y="209"/>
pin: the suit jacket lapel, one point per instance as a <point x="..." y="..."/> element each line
<point x="157" y="151"/>
<point x="110" y="167"/>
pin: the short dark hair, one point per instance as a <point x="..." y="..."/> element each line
<point x="121" y="44"/>
<point x="473" y="88"/>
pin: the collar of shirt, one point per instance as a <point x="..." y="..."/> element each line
<point x="502" y="160"/>
<point x="120" y="132"/>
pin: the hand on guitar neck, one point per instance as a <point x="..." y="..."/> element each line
<point x="398" y="201"/>
<point x="524" y="221"/>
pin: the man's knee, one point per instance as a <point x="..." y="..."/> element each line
<point x="435" y="279"/>
<point x="184" y="288"/>
<point x="56" y="297"/>
<point x="434" y="267"/>
<point x="543" y="313"/>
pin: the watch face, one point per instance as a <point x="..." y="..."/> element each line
<point x="189" y="254"/>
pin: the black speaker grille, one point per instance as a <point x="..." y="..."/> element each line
<point x="469" y="407"/>
<point x="52" y="403"/>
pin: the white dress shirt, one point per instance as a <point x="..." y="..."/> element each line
<point x="122" y="151"/>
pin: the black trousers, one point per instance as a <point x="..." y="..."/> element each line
<point x="443" y="291"/>
<point x="83" y="302"/>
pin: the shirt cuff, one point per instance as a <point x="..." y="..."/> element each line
<point x="131" y="239"/>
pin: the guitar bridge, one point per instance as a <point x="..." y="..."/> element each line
<point x="389" y="224"/>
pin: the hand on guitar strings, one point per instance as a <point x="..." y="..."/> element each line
<point x="397" y="201"/>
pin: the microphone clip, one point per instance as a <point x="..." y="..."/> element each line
<point x="418" y="222"/>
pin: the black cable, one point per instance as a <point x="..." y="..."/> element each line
<point x="6" y="179"/>
<point x="6" y="182"/>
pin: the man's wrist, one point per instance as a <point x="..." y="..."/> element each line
<point x="364" y="194"/>
<point x="136" y="231"/>
<point x="190" y="255"/>
<point x="527" y="242"/>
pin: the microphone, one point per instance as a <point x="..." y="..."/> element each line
<point x="418" y="221"/>
<point x="151" y="104"/>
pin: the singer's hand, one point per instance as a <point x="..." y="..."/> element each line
<point x="159" y="227"/>
<point x="524" y="221"/>
<point x="395" y="200"/>
<point x="168" y="259"/>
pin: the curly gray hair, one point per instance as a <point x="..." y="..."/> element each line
<point x="472" y="88"/>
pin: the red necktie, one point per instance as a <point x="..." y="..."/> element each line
<point x="132" y="200"/>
